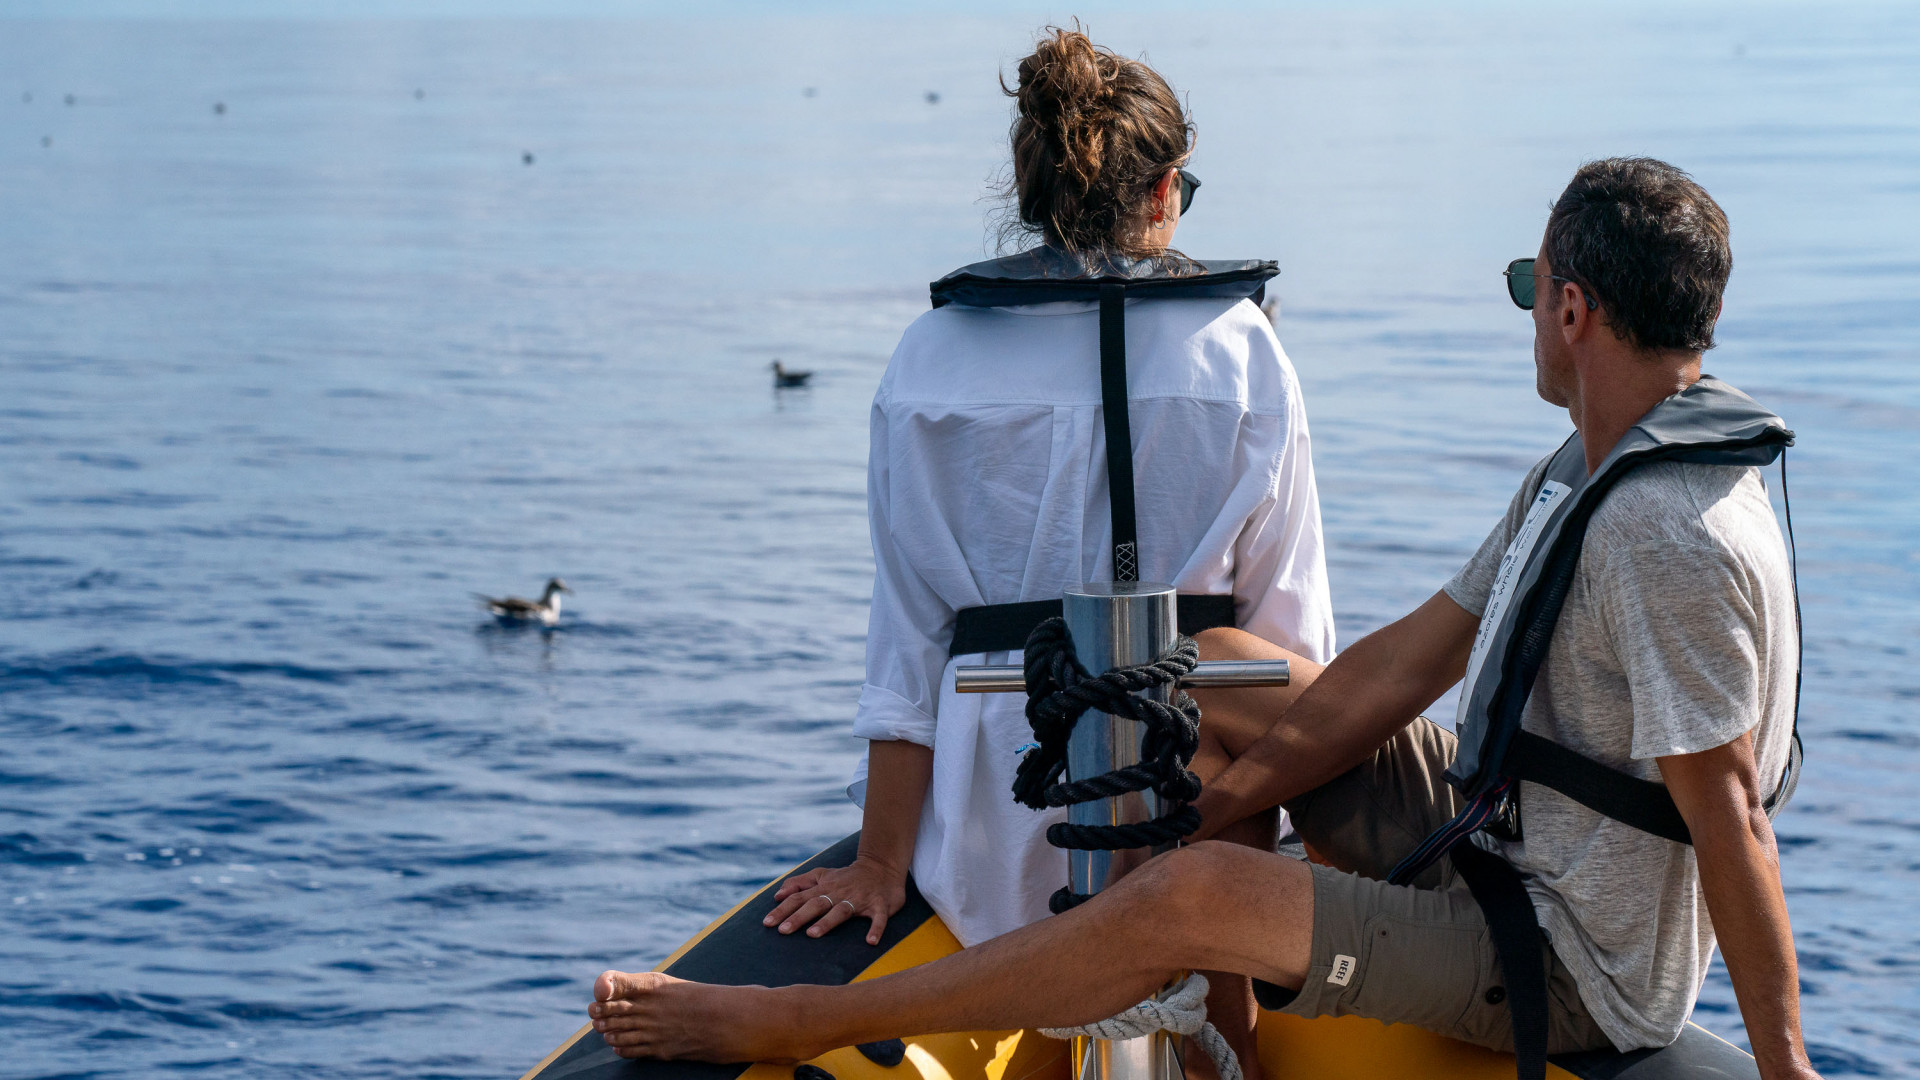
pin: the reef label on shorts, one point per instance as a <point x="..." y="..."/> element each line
<point x="1342" y="972"/>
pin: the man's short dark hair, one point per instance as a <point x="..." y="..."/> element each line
<point x="1649" y="244"/>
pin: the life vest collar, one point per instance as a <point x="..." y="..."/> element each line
<point x="1709" y="423"/>
<point x="1048" y="274"/>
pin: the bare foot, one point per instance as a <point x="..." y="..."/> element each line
<point x="649" y="1015"/>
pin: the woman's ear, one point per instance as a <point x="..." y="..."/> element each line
<point x="1163" y="196"/>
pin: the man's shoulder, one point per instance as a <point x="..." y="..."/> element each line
<point x="1690" y="505"/>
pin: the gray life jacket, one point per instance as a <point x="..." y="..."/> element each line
<point x="1045" y="275"/>
<point x="1708" y="423"/>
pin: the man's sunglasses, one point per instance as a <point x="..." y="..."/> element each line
<point x="1189" y="184"/>
<point x="1521" y="278"/>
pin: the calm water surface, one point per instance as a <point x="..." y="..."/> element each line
<point x="279" y="385"/>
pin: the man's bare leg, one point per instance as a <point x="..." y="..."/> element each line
<point x="1215" y="907"/>
<point x="1230" y="722"/>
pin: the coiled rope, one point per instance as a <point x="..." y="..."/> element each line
<point x="1059" y="690"/>
<point x="1183" y="1012"/>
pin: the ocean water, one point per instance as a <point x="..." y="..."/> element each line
<point x="309" y="329"/>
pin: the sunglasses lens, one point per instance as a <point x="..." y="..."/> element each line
<point x="1189" y="183"/>
<point x="1520" y="282"/>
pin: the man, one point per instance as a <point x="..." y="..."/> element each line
<point x="1668" y="657"/>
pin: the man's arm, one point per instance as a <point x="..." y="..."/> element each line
<point x="1719" y="794"/>
<point x="1369" y="692"/>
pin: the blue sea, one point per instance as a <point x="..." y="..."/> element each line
<point x="311" y="328"/>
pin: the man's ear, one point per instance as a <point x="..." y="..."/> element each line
<point x="1575" y="318"/>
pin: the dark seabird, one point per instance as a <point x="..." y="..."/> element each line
<point x="526" y="157"/>
<point x="219" y="108"/>
<point x="933" y="97"/>
<point x="512" y="609"/>
<point x="783" y="378"/>
<point x="70" y="99"/>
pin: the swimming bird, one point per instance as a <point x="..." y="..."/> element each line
<point x="782" y="378"/>
<point x="512" y="609"/>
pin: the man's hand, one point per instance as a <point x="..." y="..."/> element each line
<point x="1720" y="796"/>
<point x="1369" y="692"/>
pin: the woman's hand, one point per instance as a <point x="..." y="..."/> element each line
<point x="828" y="897"/>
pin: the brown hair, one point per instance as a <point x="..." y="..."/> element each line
<point x="1649" y="244"/>
<point x="1095" y="132"/>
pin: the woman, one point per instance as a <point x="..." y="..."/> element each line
<point x="987" y="484"/>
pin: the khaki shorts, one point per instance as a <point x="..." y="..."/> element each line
<point x="1410" y="954"/>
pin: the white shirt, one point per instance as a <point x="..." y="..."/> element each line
<point x="987" y="484"/>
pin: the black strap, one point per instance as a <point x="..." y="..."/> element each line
<point x="1791" y="778"/>
<point x="1497" y="888"/>
<point x="1630" y="800"/>
<point x="1004" y="627"/>
<point x="1113" y="409"/>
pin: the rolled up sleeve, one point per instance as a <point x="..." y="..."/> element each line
<point x="908" y="627"/>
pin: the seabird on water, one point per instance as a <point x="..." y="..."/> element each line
<point x="512" y="609"/>
<point x="784" y="378"/>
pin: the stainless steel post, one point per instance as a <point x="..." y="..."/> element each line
<point x="1117" y="624"/>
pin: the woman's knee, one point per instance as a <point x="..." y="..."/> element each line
<point x="1231" y="643"/>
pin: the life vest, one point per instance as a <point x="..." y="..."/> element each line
<point x="1708" y="423"/>
<point x="1045" y="275"/>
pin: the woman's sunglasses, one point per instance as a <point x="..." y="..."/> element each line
<point x="1521" y="278"/>
<point x="1189" y="184"/>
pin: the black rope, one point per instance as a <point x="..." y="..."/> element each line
<point x="1059" y="690"/>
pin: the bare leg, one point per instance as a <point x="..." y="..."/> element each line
<point x="1230" y="721"/>
<point x="1216" y="907"/>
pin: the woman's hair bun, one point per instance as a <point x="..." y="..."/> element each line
<point x="1066" y="88"/>
<point x="1094" y="133"/>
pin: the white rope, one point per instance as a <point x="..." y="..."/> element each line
<point x="1184" y="1012"/>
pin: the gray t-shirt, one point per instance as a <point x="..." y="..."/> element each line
<point x="1678" y="635"/>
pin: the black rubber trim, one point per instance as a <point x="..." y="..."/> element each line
<point x="1004" y="627"/>
<point x="1643" y="804"/>
<point x="741" y="952"/>
<point x="1695" y="1055"/>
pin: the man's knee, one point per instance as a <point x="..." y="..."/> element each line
<point x="1181" y="886"/>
